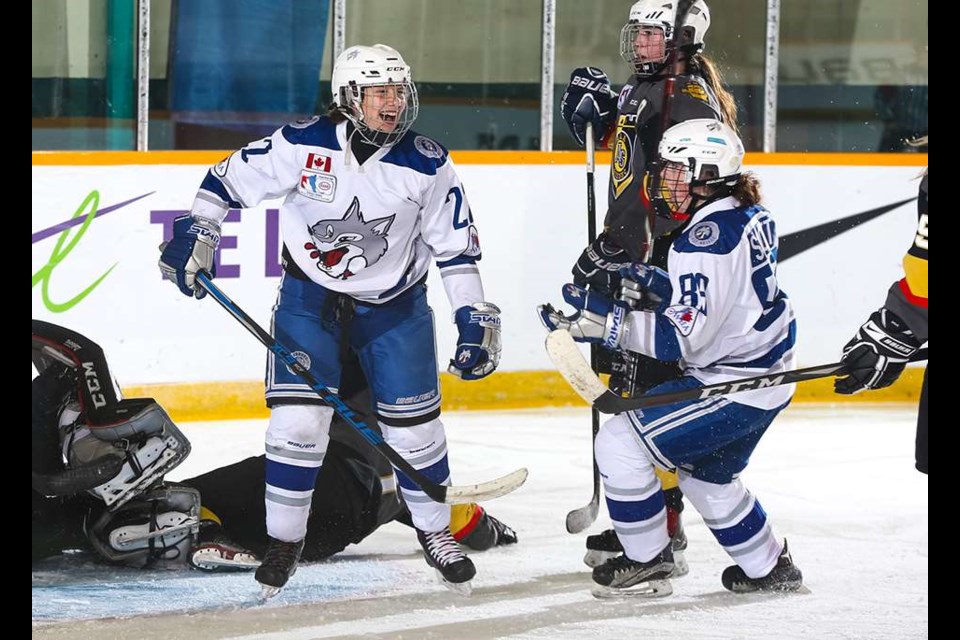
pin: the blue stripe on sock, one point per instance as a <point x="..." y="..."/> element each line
<point x="636" y="511"/>
<point x="290" y="477"/>
<point x="739" y="533"/>
<point x="437" y="472"/>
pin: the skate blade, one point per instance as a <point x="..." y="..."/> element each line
<point x="680" y="566"/>
<point x="595" y="558"/>
<point x="464" y="589"/>
<point x="211" y="560"/>
<point x="267" y="592"/>
<point x="648" y="589"/>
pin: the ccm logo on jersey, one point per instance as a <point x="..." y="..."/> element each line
<point x="317" y="162"/>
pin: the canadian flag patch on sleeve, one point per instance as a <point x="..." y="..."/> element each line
<point x="682" y="317"/>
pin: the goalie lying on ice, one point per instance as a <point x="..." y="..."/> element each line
<point x="99" y="461"/>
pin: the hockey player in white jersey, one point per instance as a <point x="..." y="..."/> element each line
<point x="721" y="313"/>
<point x="369" y="203"/>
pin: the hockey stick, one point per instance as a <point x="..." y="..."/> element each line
<point x="683" y="7"/>
<point x="579" y="519"/>
<point x="575" y="370"/>
<point x="437" y="492"/>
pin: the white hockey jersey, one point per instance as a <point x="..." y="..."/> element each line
<point x="727" y="317"/>
<point x="370" y="230"/>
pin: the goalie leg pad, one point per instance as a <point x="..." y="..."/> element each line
<point x="162" y="524"/>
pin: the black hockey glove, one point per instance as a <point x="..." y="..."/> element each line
<point x="877" y="355"/>
<point x="599" y="266"/>
<point x="588" y="98"/>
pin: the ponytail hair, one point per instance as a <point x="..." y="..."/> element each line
<point x="707" y="69"/>
<point x="747" y="189"/>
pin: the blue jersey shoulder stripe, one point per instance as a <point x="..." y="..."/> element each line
<point x="418" y="152"/>
<point x="321" y="133"/>
<point x="718" y="233"/>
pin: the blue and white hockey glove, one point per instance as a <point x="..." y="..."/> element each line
<point x="645" y="287"/>
<point x="588" y="98"/>
<point x="478" y="347"/>
<point x="191" y="250"/>
<point x="597" y="318"/>
<point x="877" y="355"/>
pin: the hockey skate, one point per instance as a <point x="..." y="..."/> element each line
<point x="505" y="535"/>
<point x="454" y="569"/>
<point x="214" y="551"/>
<point x="279" y="564"/>
<point x="622" y="577"/>
<point x="605" y="546"/>
<point x="488" y="533"/>
<point x="785" y="576"/>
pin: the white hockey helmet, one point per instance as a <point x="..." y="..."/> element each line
<point x="711" y="150"/>
<point x="696" y="153"/>
<point x="360" y="67"/>
<point x="663" y="13"/>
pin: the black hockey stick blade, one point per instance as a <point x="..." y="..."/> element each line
<point x="569" y="361"/>
<point x="437" y="492"/>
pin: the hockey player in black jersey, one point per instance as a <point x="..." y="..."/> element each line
<point x="878" y="353"/>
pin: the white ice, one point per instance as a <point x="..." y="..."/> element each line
<point x="837" y="480"/>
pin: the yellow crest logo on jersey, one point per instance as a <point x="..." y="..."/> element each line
<point x="621" y="170"/>
<point x="694" y="90"/>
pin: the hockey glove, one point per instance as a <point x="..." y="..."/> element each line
<point x="478" y="347"/>
<point x="645" y="287"/>
<point x="877" y="355"/>
<point x="597" y="318"/>
<point x="599" y="266"/>
<point x="191" y="250"/>
<point x="588" y="99"/>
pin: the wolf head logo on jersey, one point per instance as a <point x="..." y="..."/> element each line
<point x="345" y="246"/>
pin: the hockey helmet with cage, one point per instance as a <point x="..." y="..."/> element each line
<point x="662" y="14"/>
<point x="700" y="159"/>
<point x="362" y="67"/>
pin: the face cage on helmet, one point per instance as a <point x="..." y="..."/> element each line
<point x="628" y="36"/>
<point x="667" y="207"/>
<point x="664" y="200"/>
<point x="351" y="101"/>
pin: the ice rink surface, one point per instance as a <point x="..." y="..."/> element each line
<point x="837" y="480"/>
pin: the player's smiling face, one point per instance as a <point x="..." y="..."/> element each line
<point x="383" y="106"/>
